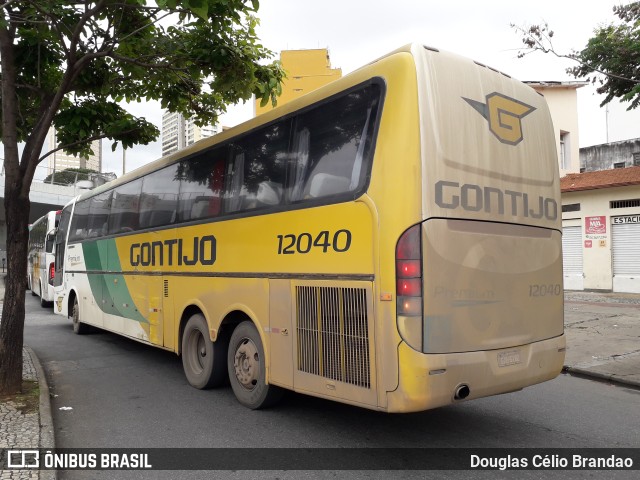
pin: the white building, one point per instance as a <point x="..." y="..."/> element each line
<point x="562" y="99"/>
<point x="601" y="230"/>
<point x="60" y="160"/>
<point x="179" y="132"/>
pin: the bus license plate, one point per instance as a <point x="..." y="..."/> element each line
<point x="511" y="357"/>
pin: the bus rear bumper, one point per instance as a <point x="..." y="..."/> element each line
<point x="431" y="380"/>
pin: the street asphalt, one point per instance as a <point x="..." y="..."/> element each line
<point x="603" y="343"/>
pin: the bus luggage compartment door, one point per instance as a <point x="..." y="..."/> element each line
<point x="490" y="285"/>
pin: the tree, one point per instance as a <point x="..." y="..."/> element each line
<point x="71" y="63"/>
<point x="610" y="59"/>
<point x="69" y="176"/>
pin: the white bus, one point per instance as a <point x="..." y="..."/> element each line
<point x="41" y="263"/>
<point x="391" y="240"/>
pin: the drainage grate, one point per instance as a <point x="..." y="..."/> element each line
<point x="333" y="334"/>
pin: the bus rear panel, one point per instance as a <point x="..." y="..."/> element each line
<point x="480" y="293"/>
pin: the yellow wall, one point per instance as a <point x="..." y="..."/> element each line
<point x="306" y="71"/>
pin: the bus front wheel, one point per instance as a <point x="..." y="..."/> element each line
<point x="79" y="328"/>
<point x="247" y="369"/>
<point x="203" y="361"/>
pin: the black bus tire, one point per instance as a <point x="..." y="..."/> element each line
<point x="202" y="360"/>
<point x="43" y="302"/>
<point x="79" y="328"/>
<point x="247" y="369"/>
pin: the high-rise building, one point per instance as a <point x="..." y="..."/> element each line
<point x="179" y="132"/>
<point x="306" y="70"/>
<point x="60" y="160"/>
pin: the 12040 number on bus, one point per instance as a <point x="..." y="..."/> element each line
<point x="339" y="242"/>
<point x="543" y="290"/>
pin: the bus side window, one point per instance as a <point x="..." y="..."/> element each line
<point x="201" y="185"/>
<point x="78" y="229"/>
<point x="159" y="202"/>
<point x="124" y="207"/>
<point x="259" y="168"/>
<point x="333" y="145"/>
<point x="99" y="207"/>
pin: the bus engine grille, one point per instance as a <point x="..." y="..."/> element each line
<point x="333" y="333"/>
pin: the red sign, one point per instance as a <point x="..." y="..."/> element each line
<point x="595" y="225"/>
<point x="588" y="244"/>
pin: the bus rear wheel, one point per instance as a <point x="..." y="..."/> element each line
<point x="43" y="302"/>
<point x="202" y="360"/>
<point x="79" y="328"/>
<point x="247" y="369"/>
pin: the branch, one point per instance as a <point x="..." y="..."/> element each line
<point x="538" y="38"/>
<point x="135" y="61"/>
<point x="6" y="4"/>
<point x="88" y="14"/>
<point x="85" y="140"/>
<point x="54" y="24"/>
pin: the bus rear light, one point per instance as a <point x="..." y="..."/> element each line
<point x="410" y="306"/>
<point x="409" y="296"/>
<point x="409" y="272"/>
<point x="409" y="245"/>
<point x="409" y="268"/>
<point x="52" y="272"/>
<point x="410" y="287"/>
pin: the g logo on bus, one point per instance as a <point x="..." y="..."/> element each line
<point x="504" y="115"/>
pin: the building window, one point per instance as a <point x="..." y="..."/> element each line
<point x="635" y="202"/>
<point x="572" y="207"/>
<point x="565" y="151"/>
<point x="636" y="158"/>
<point x="619" y="165"/>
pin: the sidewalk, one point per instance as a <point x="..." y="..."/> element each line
<point x="603" y="342"/>
<point x="603" y="336"/>
<point x="30" y="427"/>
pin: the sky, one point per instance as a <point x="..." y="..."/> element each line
<point x="359" y="31"/>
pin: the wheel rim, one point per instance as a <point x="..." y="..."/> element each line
<point x="247" y="364"/>
<point x="197" y="351"/>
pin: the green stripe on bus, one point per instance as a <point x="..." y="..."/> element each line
<point x="110" y="291"/>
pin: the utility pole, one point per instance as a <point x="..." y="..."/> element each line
<point x="124" y="159"/>
<point x="606" y="116"/>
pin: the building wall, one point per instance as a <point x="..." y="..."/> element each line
<point x="608" y="155"/>
<point x="306" y="71"/>
<point x="59" y="160"/>
<point x="179" y="132"/>
<point x="563" y="106"/>
<point x="597" y="258"/>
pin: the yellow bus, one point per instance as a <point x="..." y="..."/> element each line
<point x="41" y="254"/>
<point x="391" y="240"/>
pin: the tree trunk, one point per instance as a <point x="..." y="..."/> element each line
<point x="17" y="208"/>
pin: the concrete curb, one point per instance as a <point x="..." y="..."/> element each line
<point x="47" y="438"/>
<point x="602" y="377"/>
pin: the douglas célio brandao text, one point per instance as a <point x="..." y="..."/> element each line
<point x="550" y="462"/>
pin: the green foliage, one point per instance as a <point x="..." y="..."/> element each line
<point x="70" y="63"/>
<point x="613" y="55"/>
<point x="69" y="176"/>
<point x="76" y="61"/>
<point x="610" y="59"/>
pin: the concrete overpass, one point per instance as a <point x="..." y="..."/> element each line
<point x="44" y="198"/>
